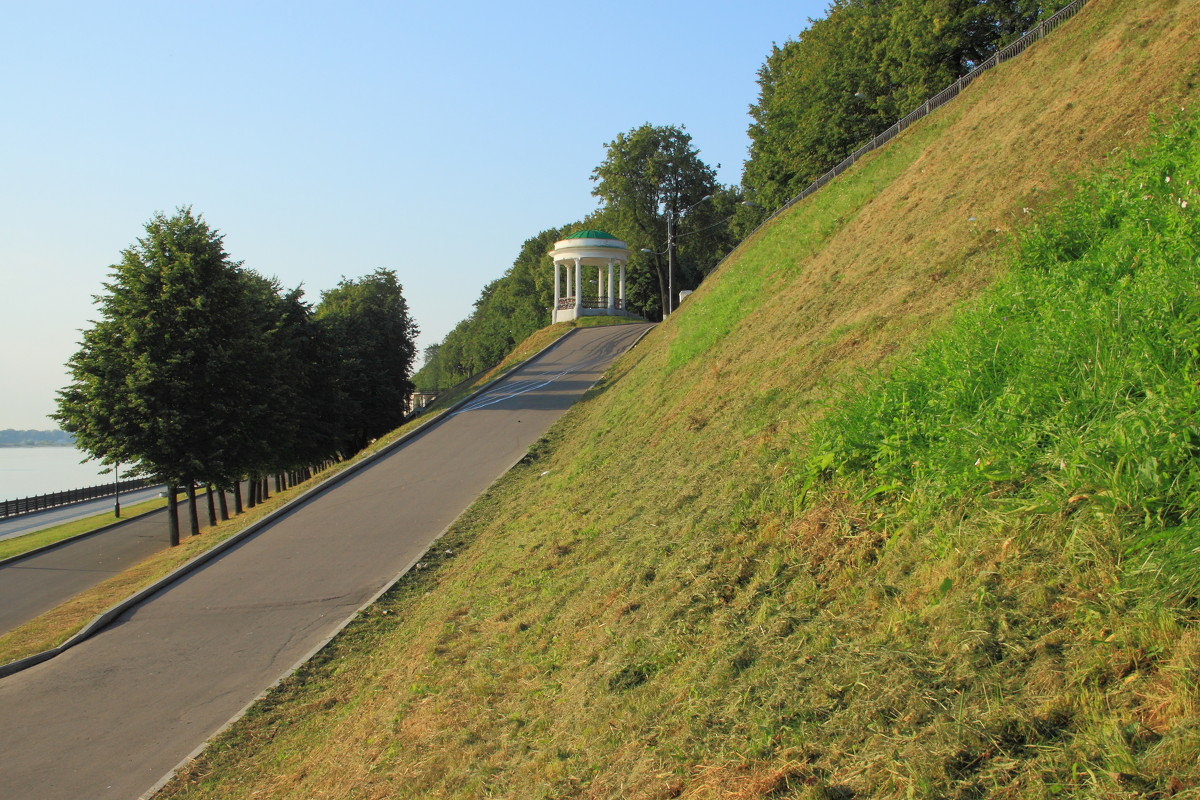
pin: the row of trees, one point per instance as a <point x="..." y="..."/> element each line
<point x="200" y="371"/>
<point x="866" y="64"/>
<point x="847" y="77"/>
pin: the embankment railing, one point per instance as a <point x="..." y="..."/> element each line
<point x="27" y="505"/>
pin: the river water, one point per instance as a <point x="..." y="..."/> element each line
<point x="29" y="471"/>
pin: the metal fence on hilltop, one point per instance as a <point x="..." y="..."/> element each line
<point x="27" y="505"/>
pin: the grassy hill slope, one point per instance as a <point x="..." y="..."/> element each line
<point x="707" y="582"/>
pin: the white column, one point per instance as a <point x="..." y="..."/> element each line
<point x="554" y="308"/>
<point x="610" y="285"/>
<point x="578" y="291"/>
<point x="623" y="307"/>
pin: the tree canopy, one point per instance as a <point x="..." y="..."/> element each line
<point x="649" y="174"/>
<point x="372" y="345"/>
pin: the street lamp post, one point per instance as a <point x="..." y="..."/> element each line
<point x="671" y="263"/>
<point x="671" y="252"/>
<point x="117" y="491"/>
<point x="671" y="248"/>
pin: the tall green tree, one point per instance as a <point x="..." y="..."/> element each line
<point x="649" y="174"/>
<point x="158" y="379"/>
<point x="287" y="421"/>
<point x="371" y="341"/>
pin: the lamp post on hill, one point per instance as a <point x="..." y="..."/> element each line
<point x="670" y="251"/>
<point x="671" y="217"/>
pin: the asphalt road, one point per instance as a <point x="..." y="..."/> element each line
<point x="110" y="717"/>
<point x="35" y="584"/>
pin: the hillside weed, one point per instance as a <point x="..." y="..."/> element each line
<point x="1068" y="388"/>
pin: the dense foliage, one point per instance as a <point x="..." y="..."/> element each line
<point x="651" y="175"/>
<point x="201" y="371"/>
<point x="853" y="73"/>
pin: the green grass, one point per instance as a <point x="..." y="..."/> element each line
<point x="1069" y="389"/>
<point x="47" y="536"/>
<point x="698" y="586"/>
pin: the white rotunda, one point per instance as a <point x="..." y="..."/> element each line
<point x="578" y="296"/>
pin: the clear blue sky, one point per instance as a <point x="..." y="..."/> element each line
<point x="330" y="139"/>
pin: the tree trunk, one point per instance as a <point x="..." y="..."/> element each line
<point x="212" y="507"/>
<point x="237" y="497"/>
<point x="264" y="489"/>
<point x="224" y="505"/>
<point x="193" y="517"/>
<point x="252" y="491"/>
<point x="173" y="513"/>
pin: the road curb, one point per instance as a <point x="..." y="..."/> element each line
<point x="102" y="620"/>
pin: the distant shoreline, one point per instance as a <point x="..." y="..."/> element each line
<point x="32" y="437"/>
<point x="38" y="444"/>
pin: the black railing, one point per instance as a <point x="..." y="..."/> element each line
<point x="27" y="505"/>
<point x="567" y="303"/>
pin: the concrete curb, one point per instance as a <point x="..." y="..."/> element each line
<point x="101" y="621"/>
<point x="638" y="340"/>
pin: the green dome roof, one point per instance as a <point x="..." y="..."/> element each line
<point x="591" y="234"/>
